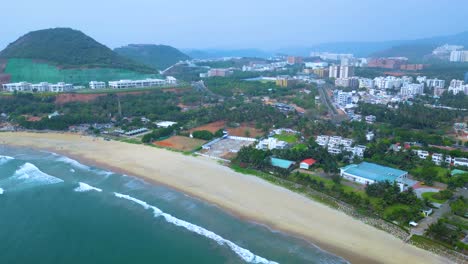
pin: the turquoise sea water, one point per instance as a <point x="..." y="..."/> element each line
<point x="54" y="209"/>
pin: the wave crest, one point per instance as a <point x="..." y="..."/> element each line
<point x="83" y="187"/>
<point x="243" y="253"/>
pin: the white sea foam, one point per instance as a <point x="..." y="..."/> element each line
<point x="2" y="191"/>
<point x="243" y="253"/>
<point x="28" y="173"/>
<point x="5" y="159"/>
<point x="72" y="170"/>
<point x="83" y="187"/>
<point x="72" y="162"/>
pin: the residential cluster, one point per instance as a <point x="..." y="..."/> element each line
<point x="67" y="87"/>
<point x="337" y="145"/>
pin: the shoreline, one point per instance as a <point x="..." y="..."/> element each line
<point x="273" y="206"/>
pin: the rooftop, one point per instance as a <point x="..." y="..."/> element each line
<point x="374" y="172"/>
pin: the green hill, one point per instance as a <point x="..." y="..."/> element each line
<point x="68" y="48"/>
<point x="156" y="56"/>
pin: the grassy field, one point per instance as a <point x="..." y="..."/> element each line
<point x="35" y="72"/>
<point x="391" y="209"/>
<point x="441" y="173"/>
<point x="289" y="138"/>
<point x="430" y="197"/>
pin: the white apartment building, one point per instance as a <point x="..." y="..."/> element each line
<point x="97" y="85"/>
<point x="271" y="143"/>
<point x="61" y="87"/>
<point x="346" y="71"/>
<point x="459" y="89"/>
<point x="334" y="71"/>
<point x="171" y="80"/>
<point x="421" y="79"/>
<point x="314" y="65"/>
<point x="437" y="158"/>
<point x="352" y="82"/>
<point x="412" y="89"/>
<point x="370" y="119"/>
<point x="456" y="83"/>
<point x="435" y="83"/>
<point x="343" y="98"/>
<point x="331" y="56"/>
<point x="137" y="83"/>
<point x="20" y="87"/>
<point x="41" y="87"/>
<point x="366" y="83"/>
<point x="388" y="82"/>
<point x="459" y="56"/>
<point x="460" y="162"/>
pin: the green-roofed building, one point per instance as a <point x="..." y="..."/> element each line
<point x="281" y="163"/>
<point x="368" y="173"/>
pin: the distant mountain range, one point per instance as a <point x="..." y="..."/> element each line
<point x="220" y="53"/>
<point x="413" y="49"/>
<point x="156" y="56"/>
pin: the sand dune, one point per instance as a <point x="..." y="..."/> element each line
<point x="246" y="196"/>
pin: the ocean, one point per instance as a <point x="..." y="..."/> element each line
<point x="54" y="209"/>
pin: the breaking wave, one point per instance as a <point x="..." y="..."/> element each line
<point x="5" y="159"/>
<point x="1" y="191"/>
<point x="83" y="187"/>
<point x="243" y="253"/>
<point x="30" y="173"/>
<point x="72" y="162"/>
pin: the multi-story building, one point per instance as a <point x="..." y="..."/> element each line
<point x="315" y="65"/>
<point x="331" y="56"/>
<point x="352" y="82"/>
<point x="137" y="83"/>
<point x="271" y="143"/>
<point x="456" y="83"/>
<point x="386" y="63"/>
<point x="412" y="89"/>
<point x="334" y="71"/>
<point x="321" y="72"/>
<point x="285" y="81"/>
<point x="370" y="119"/>
<point x="459" y="56"/>
<point x="294" y="60"/>
<point x="346" y="71"/>
<point x="421" y="79"/>
<point x="366" y="83"/>
<point x="220" y="73"/>
<point x="389" y="82"/>
<point x="343" y="98"/>
<point x="61" y="87"/>
<point x="459" y="89"/>
<point x="460" y="162"/>
<point x="40" y="87"/>
<point x="20" y="87"/>
<point x="435" y="83"/>
<point x="97" y="85"/>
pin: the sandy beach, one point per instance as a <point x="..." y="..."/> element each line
<point x="243" y="195"/>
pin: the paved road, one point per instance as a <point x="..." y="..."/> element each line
<point x="424" y="224"/>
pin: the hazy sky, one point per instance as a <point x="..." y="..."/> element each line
<point x="267" y="24"/>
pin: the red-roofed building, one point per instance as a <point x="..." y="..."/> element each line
<point x="305" y="164"/>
